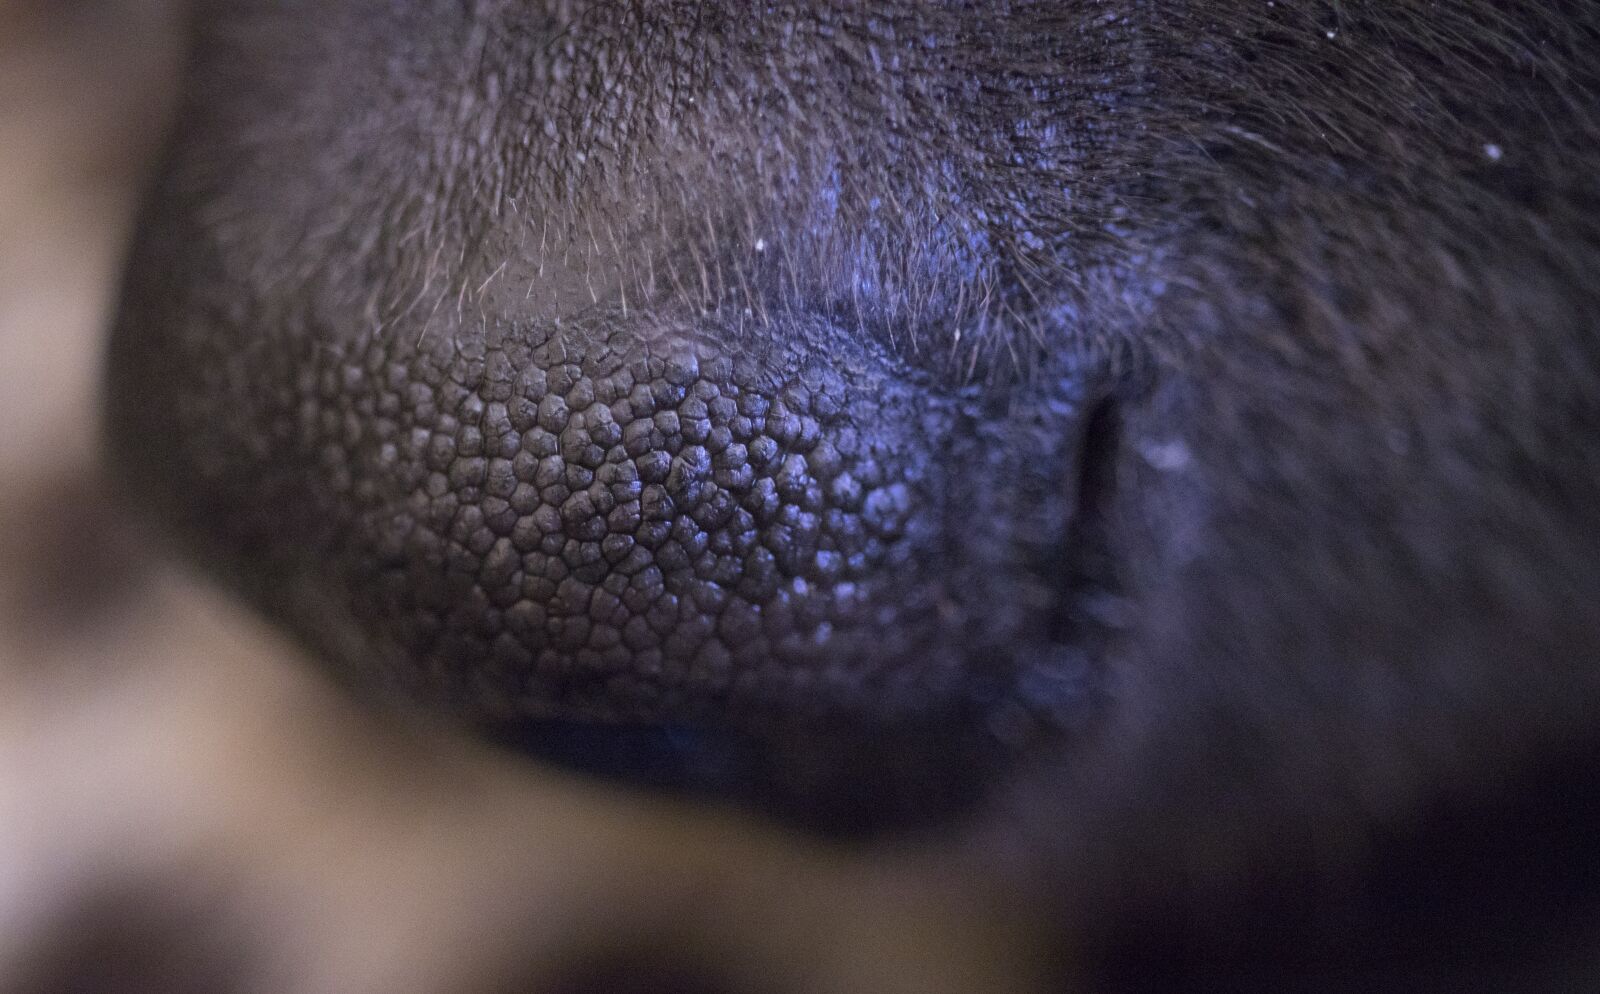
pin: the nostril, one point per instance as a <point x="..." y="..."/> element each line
<point x="1085" y="569"/>
<point x="1032" y="520"/>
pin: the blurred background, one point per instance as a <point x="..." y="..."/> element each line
<point x="84" y="89"/>
<point x="185" y="807"/>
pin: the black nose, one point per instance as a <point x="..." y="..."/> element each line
<point x="710" y="538"/>
<point x="656" y="414"/>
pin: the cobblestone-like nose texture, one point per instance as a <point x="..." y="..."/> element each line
<point x="631" y="531"/>
<point x="783" y="542"/>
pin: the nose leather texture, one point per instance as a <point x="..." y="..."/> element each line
<point x="746" y="417"/>
<point x="778" y="544"/>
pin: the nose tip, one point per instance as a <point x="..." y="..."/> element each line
<point x="663" y="524"/>
<point x="774" y="543"/>
<point x="603" y="521"/>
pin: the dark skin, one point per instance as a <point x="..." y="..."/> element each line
<point x="1149" y="444"/>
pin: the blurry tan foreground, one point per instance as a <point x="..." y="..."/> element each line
<point x="183" y="807"/>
